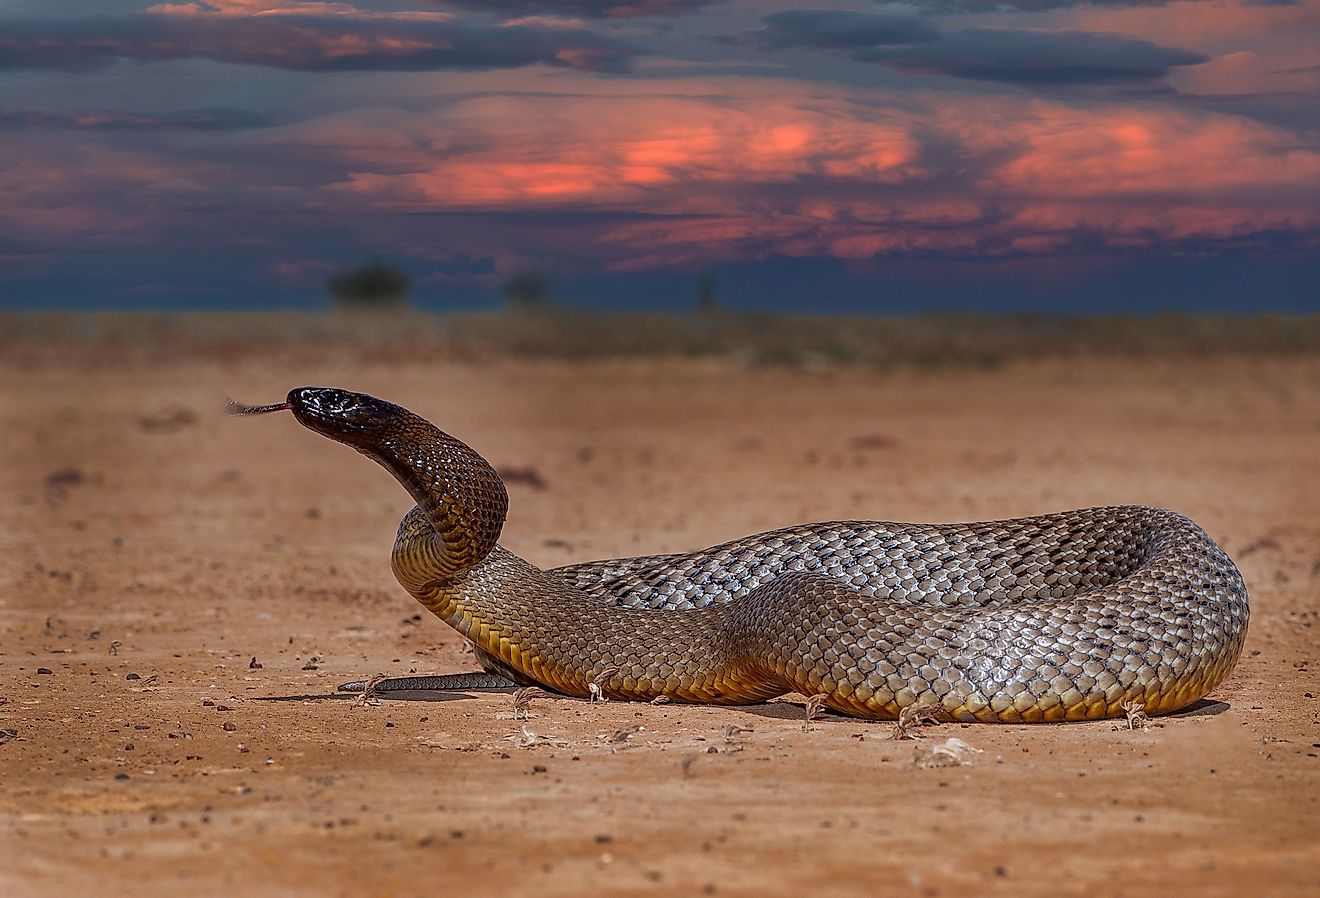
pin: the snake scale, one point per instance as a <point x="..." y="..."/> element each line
<point x="1065" y="616"/>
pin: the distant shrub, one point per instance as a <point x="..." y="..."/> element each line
<point x="527" y="290"/>
<point x="706" y="298"/>
<point x="375" y="285"/>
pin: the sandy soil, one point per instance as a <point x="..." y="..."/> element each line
<point x="180" y="593"/>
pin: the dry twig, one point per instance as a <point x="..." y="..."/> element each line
<point x="815" y="707"/>
<point x="370" y="694"/>
<point x="522" y="701"/>
<point x="913" y="717"/>
<point x="624" y="733"/>
<point x="598" y="683"/>
<point x="732" y="731"/>
<point x="1136" y="715"/>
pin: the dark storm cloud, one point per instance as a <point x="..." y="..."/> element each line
<point x="1035" y="57"/>
<point x="912" y="44"/>
<point x="300" y="43"/>
<point x="841" y="29"/>
<point x="969" y="7"/>
<point x="591" y="9"/>
<point x="101" y="120"/>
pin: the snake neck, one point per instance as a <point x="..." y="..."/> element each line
<point x="473" y="601"/>
<point x="461" y="500"/>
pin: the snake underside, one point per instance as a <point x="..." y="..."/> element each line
<point x="1064" y="616"/>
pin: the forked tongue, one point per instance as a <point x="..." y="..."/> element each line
<point x="237" y="408"/>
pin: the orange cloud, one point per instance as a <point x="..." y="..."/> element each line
<point x="1135" y="153"/>
<point x="729" y="168"/>
<point x="759" y="173"/>
<point x="656" y="152"/>
<point x="290" y="8"/>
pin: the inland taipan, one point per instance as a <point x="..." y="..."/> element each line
<point x="1065" y="616"/>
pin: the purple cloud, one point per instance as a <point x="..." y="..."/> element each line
<point x="302" y="43"/>
<point x="589" y="9"/>
<point x="104" y="120"/>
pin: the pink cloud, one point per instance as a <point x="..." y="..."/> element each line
<point x="747" y="175"/>
<point x="1253" y="47"/>
<point x="657" y="153"/>
<point x="291" y="8"/>
<point x="1129" y="152"/>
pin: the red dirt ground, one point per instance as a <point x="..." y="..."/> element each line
<point x="153" y="548"/>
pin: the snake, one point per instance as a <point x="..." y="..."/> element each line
<point x="1074" y="615"/>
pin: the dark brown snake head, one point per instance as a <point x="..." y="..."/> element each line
<point x="460" y="493"/>
<point x="356" y="419"/>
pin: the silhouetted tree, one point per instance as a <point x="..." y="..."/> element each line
<point x="375" y="285"/>
<point x="527" y="290"/>
<point x="706" y="301"/>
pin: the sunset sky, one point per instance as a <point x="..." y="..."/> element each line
<point x="1015" y="155"/>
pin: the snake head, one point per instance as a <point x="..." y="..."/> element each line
<point x="347" y="417"/>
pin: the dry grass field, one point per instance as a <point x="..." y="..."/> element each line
<point x="180" y="592"/>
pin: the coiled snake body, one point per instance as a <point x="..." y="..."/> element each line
<point x="1065" y="616"/>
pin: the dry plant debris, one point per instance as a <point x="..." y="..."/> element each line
<point x="528" y="739"/>
<point x="522" y="701"/>
<point x="1137" y="718"/>
<point x="952" y="752"/>
<point x="595" y="687"/>
<point x="370" y="694"/>
<point x="732" y="731"/>
<point x="912" y="718"/>
<point x="814" y="708"/>
<point x="624" y="733"/>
